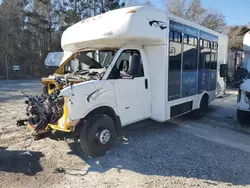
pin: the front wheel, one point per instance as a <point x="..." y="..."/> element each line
<point x="243" y="117"/>
<point x="97" y="135"/>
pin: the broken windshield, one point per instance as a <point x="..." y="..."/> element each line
<point x="95" y="59"/>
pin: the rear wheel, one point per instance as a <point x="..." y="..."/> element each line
<point x="243" y="117"/>
<point x="200" y="112"/>
<point x="97" y="135"/>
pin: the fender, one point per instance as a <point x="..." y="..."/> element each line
<point x="102" y="109"/>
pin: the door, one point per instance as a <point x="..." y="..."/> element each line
<point x="132" y="93"/>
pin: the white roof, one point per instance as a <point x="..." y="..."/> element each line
<point x="138" y="25"/>
<point x="116" y="28"/>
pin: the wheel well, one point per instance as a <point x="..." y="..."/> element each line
<point x="205" y="96"/>
<point x="103" y="110"/>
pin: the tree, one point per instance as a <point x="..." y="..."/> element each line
<point x="39" y="23"/>
<point x="214" y="20"/>
<point x="11" y="28"/>
<point x="194" y="11"/>
<point x="72" y="11"/>
<point x="177" y="7"/>
<point x="29" y="29"/>
<point x="130" y="3"/>
<point x="235" y="35"/>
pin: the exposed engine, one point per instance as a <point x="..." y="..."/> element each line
<point x="80" y="75"/>
<point x="43" y="110"/>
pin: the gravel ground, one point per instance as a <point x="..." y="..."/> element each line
<point x="212" y="152"/>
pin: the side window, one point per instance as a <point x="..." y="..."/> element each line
<point x="177" y="37"/>
<point x="205" y="54"/>
<point x="123" y="61"/>
<point x="175" y="50"/>
<point x="214" y="52"/>
<point x="171" y="36"/>
<point x="190" y="53"/>
<point x="121" y="68"/>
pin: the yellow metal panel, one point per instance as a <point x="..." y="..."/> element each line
<point x="55" y="127"/>
<point x="62" y="124"/>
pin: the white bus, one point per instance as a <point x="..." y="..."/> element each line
<point x="146" y="63"/>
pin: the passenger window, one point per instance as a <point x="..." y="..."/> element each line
<point x="205" y="54"/>
<point x="177" y="37"/>
<point x="121" y="68"/>
<point x="171" y="35"/>
<point x="175" y="52"/>
<point x="190" y="53"/>
<point x="214" y="53"/>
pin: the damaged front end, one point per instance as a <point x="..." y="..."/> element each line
<point x="47" y="112"/>
<point x="43" y="111"/>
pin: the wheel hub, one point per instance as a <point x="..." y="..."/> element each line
<point x="104" y="136"/>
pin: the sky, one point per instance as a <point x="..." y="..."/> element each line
<point x="236" y="12"/>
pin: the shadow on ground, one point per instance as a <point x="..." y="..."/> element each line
<point x="20" y="161"/>
<point x="161" y="149"/>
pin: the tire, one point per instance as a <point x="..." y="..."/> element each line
<point x="97" y="135"/>
<point x="243" y="117"/>
<point x="200" y="112"/>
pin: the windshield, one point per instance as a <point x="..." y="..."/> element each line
<point x="94" y="59"/>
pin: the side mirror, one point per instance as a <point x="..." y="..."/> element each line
<point x="223" y="70"/>
<point x="134" y="65"/>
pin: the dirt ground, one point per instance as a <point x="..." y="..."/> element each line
<point x="212" y="152"/>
